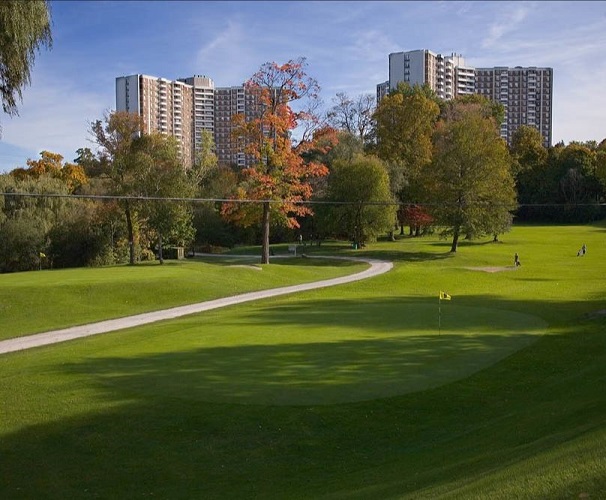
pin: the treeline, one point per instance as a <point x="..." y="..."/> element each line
<point x="357" y="173"/>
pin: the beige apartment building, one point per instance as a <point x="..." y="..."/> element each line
<point x="184" y="107"/>
<point x="447" y="76"/>
<point x="526" y="93"/>
<point x="166" y="106"/>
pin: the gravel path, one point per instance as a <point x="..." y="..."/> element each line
<point x="20" y="343"/>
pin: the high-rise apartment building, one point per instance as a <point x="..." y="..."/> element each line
<point x="166" y="106"/>
<point x="203" y="106"/>
<point x="447" y="76"/>
<point x="525" y="93"/>
<point x="185" y="107"/>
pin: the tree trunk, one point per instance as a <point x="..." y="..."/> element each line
<point x="455" y="241"/>
<point x="131" y="233"/>
<point x="265" y="225"/>
<point x="160" y="256"/>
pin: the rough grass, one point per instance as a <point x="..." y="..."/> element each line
<point x="347" y="392"/>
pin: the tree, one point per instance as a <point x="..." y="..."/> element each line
<point x="404" y="124"/>
<point x="89" y="162"/>
<point x="26" y="221"/>
<point x="25" y="29"/>
<point x="161" y="175"/>
<point x="353" y="115"/>
<point x="115" y="137"/>
<point x="416" y="216"/>
<point x="363" y="205"/>
<point x="529" y="165"/>
<point x="206" y="160"/>
<point x="472" y="184"/>
<point x="279" y="178"/>
<point x="50" y="164"/>
<point x="579" y="185"/>
<point x="527" y="150"/>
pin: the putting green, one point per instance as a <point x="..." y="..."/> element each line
<point x="256" y="356"/>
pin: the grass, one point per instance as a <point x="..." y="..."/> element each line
<point x="344" y="392"/>
<point x="34" y="302"/>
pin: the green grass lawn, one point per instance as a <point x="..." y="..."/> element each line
<point x="343" y="392"/>
<point x="39" y="301"/>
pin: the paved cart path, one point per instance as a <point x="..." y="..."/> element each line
<point x="20" y="343"/>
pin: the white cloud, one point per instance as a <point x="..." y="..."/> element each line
<point x="54" y="116"/>
<point x="508" y="22"/>
<point x="229" y="55"/>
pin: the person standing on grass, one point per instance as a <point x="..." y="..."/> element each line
<point x="516" y="260"/>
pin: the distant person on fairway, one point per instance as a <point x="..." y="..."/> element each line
<point x="516" y="260"/>
<point x="582" y="251"/>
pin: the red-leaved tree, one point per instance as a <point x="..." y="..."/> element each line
<point x="279" y="179"/>
<point x="416" y="217"/>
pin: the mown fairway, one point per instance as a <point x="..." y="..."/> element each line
<point x="347" y="392"/>
<point x="45" y="300"/>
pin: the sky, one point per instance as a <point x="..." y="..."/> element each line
<point x="346" y="45"/>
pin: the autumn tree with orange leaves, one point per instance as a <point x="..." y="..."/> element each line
<point x="51" y="164"/>
<point x="280" y="178"/>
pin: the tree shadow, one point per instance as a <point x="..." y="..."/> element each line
<point x="358" y="349"/>
<point x="154" y="439"/>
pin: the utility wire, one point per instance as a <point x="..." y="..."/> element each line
<point x="244" y="201"/>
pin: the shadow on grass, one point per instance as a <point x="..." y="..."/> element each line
<point x="149" y="443"/>
<point x="314" y="373"/>
<point x="313" y="352"/>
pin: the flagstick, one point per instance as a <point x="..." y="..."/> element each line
<point x="439" y="315"/>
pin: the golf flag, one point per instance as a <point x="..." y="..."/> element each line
<point x="42" y="256"/>
<point x="444" y="296"/>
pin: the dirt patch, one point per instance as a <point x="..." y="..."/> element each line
<point x="492" y="269"/>
<point x="248" y="267"/>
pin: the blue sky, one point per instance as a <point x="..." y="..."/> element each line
<point x="346" y="44"/>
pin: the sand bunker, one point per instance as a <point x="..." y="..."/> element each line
<point x="492" y="269"/>
<point x="248" y="267"/>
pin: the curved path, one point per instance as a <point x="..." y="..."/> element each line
<point x="20" y="343"/>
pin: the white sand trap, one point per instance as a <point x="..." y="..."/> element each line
<point x="492" y="269"/>
<point x="248" y="267"/>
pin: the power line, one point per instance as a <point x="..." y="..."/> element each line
<point x="252" y="201"/>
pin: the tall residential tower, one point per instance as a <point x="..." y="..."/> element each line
<point x="447" y="76"/>
<point x="526" y="93"/>
<point x="185" y="107"/>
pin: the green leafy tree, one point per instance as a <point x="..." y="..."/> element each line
<point x="162" y="176"/>
<point x="405" y="120"/>
<point x="205" y="162"/>
<point x="530" y="168"/>
<point x="25" y="29"/>
<point x="472" y="183"/>
<point x="115" y="136"/>
<point x="87" y="160"/>
<point x="362" y="204"/>
<point x="26" y="221"/>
